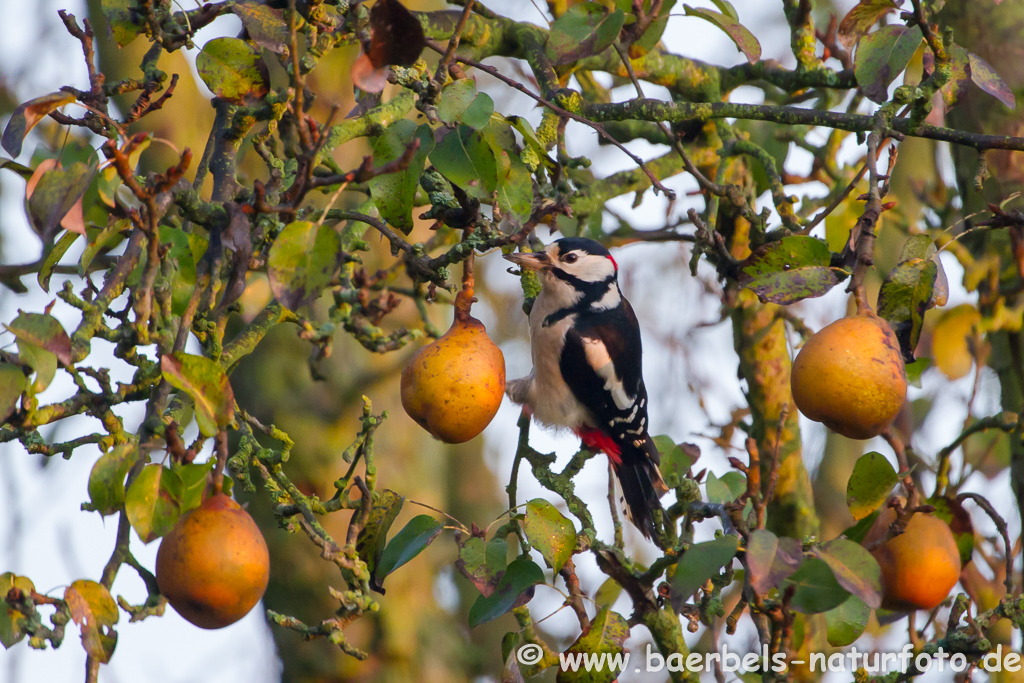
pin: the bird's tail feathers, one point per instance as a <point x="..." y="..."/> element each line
<point x="642" y="485"/>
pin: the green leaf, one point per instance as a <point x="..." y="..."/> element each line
<point x="151" y="502"/>
<point x="194" y="480"/>
<point x="27" y="115"/>
<point x="302" y="262"/>
<point x="726" y="8"/>
<point x="206" y="383"/>
<point x="727" y="489"/>
<point x="12" y="622"/>
<point x="455" y="98"/>
<point x="550" y="532"/>
<point x="56" y="192"/>
<point x="515" y="183"/>
<point x="608" y="593"/>
<point x="740" y="34"/>
<point x="903" y="299"/>
<point x="607" y="635"/>
<point x="12" y="386"/>
<point x="882" y="56"/>
<point x="478" y="113"/>
<point x="816" y="588"/>
<point x="43" y="330"/>
<point x="124" y="19"/>
<point x="482" y="563"/>
<point x="265" y="25"/>
<point x="53" y="257"/>
<point x="407" y="544"/>
<point x="859" y="531"/>
<point x="585" y="29"/>
<point x="233" y="70"/>
<point x="393" y="193"/>
<point x="771" y="559"/>
<point x="42" y="361"/>
<point x="789" y="270"/>
<point x="699" y="563"/>
<point x="847" y="622"/>
<point x="372" y="538"/>
<point x="854" y="568"/>
<point x="106" y="480"/>
<point x="859" y="20"/>
<point x="675" y="461"/>
<point x="95" y="612"/>
<point x="515" y="584"/>
<point x="870" y="484"/>
<point x="465" y="158"/>
<point x="986" y="78"/>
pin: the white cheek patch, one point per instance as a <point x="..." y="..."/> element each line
<point x="598" y="358"/>
<point x="610" y="299"/>
<point x="592" y="268"/>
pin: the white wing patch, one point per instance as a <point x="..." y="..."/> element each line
<point x="601" y="362"/>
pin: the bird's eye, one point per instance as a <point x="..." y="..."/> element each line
<point x="570" y="258"/>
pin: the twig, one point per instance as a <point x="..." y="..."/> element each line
<point x="561" y="112"/>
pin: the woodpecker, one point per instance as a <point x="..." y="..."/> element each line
<point x="585" y="343"/>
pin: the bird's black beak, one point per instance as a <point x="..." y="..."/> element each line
<point x="535" y="261"/>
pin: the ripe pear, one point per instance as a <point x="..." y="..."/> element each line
<point x="920" y="566"/>
<point x="850" y="376"/>
<point x="453" y="386"/>
<point x="213" y="566"/>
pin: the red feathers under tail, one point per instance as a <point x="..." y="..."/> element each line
<point x="637" y="470"/>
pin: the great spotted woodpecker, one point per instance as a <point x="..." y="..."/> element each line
<point x="585" y="343"/>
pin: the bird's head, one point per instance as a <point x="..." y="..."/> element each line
<point x="575" y="260"/>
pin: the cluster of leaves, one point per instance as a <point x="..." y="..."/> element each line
<point x="486" y="180"/>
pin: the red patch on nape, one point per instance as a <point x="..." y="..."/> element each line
<point x="613" y="262"/>
<point x="596" y="440"/>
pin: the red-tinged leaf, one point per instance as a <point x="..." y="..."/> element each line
<point x="366" y="76"/>
<point x="585" y="29"/>
<point x="95" y="612"/>
<point x="854" y="568"/>
<point x="859" y="20"/>
<point x="740" y="34"/>
<point x="986" y="78"/>
<point x="771" y="559"/>
<point x="43" y="330"/>
<point x="28" y="115"/>
<point x="482" y="563"/>
<point x="152" y="502"/>
<point x="233" y="70"/>
<point x="53" y="193"/>
<point x="265" y="25"/>
<point x="396" y="36"/>
<point x="206" y="383"/>
<point x="882" y="56"/>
